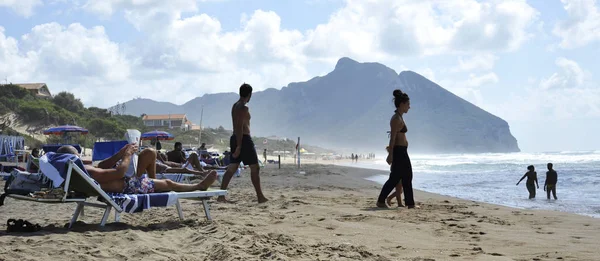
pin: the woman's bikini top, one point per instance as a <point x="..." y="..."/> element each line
<point x="404" y="130"/>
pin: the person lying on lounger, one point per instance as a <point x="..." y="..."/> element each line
<point x="191" y="166"/>
<point x="113" y="179"/>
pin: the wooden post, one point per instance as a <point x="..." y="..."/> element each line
<point x="279" y="161"/>
<point x="298" y="151"/>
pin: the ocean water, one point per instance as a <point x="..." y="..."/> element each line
<point x="492" y="178"/>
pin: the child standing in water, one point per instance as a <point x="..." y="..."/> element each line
<point x="531" y="178"/>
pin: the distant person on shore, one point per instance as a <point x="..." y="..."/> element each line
<point x="401" y="168"/>
<point x="551" y="180"/>
<point x="532" y="181"/>
<point x="265" y="156"/>
<point x="241" y="144"/>
<point x="352" y="157"/>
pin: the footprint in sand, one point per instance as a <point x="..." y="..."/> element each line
<point x="354" y="218"/>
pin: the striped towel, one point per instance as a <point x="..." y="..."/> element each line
<point x="132" y="203"/>
<point x="54" y="166"/>
<point x="174" y="177"/>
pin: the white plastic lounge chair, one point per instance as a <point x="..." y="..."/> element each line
<point x="80" y="186"/>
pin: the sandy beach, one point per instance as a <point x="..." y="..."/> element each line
<point x="325" y="214"/>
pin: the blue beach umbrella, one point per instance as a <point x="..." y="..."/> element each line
<point x="60" y="130"/>
<point x="159" y="135"/>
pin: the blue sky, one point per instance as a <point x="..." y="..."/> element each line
<point x="530" y="62"/>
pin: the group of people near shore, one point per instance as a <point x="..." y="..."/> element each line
<point x="532" y="181"/>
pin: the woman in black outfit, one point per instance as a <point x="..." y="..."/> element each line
<point x="401" y="170"/>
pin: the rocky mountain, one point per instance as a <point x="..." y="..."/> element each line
<point x="350" y="108"/>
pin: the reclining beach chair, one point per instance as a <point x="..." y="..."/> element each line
<point x="68" y="173"/>
<point x="54" y="147"/>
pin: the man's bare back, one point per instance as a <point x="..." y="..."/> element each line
<point x="240" y="112"/>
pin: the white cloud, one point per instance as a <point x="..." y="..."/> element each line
<point x="71" y="58"/>
<point x="478" y="62"/>
<point x="565" y="95"/>
<point x="571" y="75"/>
<point x="12" y="63"/>
<point x="186" y="52"/>
<point x="582" y="26"/>
<point x="480" y="80"/>
<point x="74" y="52"/>
<point x="380" y="29"/>
<point x="22" y="7"/>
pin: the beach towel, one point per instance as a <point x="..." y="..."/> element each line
<point x="132" y="203"/>
<point x="174" y="177"/>
<point x="54" y="166"/>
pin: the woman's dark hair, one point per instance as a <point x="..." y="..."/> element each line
<point x="530" y="167"/>
<point x="35" y="152"/>
<point x="400" y="97"/>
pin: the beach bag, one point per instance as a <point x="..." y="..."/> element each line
<point x="21" y="183"/>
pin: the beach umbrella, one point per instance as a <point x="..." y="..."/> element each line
<point x="159" y="135"/>
<point x="61" y="130"/>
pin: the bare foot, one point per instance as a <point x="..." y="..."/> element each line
<point x="389" y="201"/>
<point x="262" y="200"/>
<point x="414" y="206"/>
<point x="222" y="199"/>
<point x="209" y="180"/>
<point x="381" y="205"/>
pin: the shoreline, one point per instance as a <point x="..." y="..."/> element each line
<point x="328" y="213"/>
<point x="542" y="195"/>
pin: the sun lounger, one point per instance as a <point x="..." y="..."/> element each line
<point x="54" y="147"/>
<point x="68" y="172"/>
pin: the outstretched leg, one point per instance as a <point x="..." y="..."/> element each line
<point x="164" y="185"/>
<point x="231" y="169"/>
<point x="184" y="170"/>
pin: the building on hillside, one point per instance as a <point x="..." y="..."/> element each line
<point x="167" y="121"/>
<point x="37" y="89"/>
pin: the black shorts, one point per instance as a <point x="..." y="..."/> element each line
<point x="248" y="153"/>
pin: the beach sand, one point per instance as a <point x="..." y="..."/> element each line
<point x="325" y="214"/>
